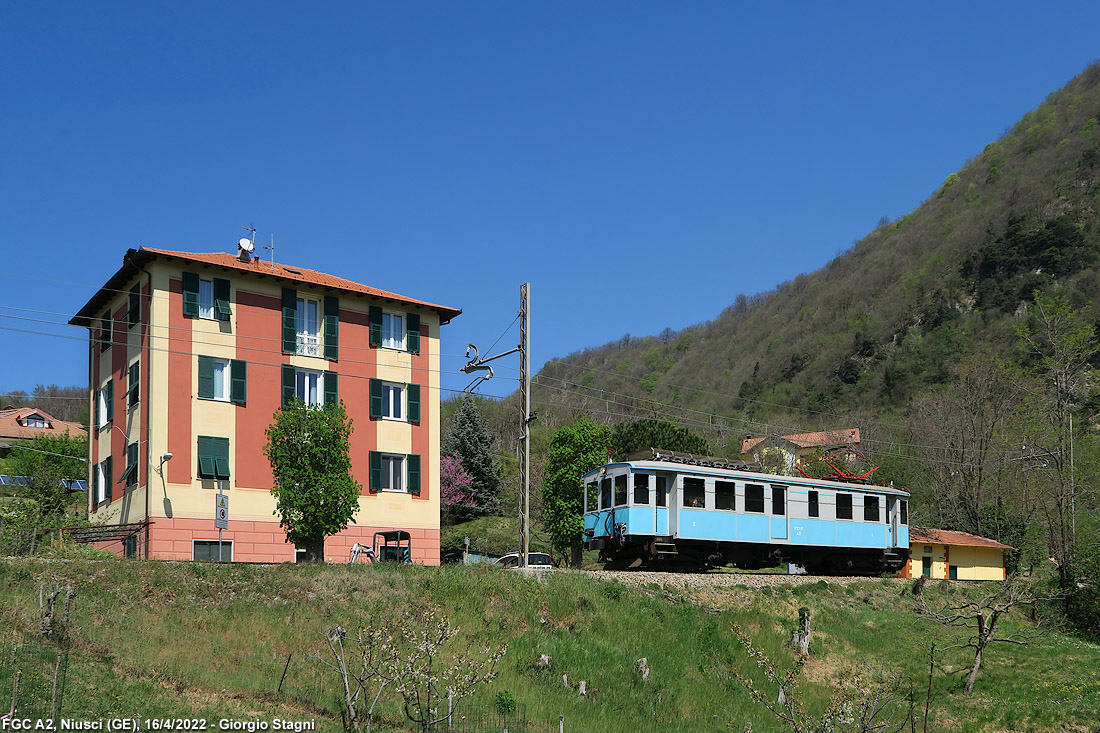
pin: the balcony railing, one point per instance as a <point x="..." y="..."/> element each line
<point x="309" y="344"/>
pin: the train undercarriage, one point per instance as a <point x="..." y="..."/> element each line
<point x="668" y="554"/>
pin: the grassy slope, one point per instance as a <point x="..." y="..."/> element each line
<point x="211" y="641"/>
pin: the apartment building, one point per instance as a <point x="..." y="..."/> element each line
<point x="190" y="357"/>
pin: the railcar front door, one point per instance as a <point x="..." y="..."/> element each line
<point x="891" y="522"/>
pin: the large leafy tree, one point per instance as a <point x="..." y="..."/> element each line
<point x="574" y="449"/>
<point x="315" y="493"/>
<point x="470" y="439"/>
<point x="630" y="437"/>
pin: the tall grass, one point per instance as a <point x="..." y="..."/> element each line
<point x="213" y="641"/>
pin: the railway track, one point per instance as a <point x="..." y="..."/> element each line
<point x="714" y="580"/>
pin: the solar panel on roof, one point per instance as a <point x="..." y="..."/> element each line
<point x="3" y="480"/>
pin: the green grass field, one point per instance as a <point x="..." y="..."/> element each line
<point x="212" y="641"/>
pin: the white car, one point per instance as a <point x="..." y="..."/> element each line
<point x="535" y="561"/>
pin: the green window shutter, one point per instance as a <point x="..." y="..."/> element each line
<point x="412" y="333"/>
<point x="110" y="400"/>
<point x="133" y="389"/>
<point x="238" y="380"/>
<point x="221" y="457"/>
<point x="105" y="332"/>
<point x="412" y="463"/>
<point x="290" y="321"/>
<point x="108" y="476"/>
<point x="375" y="483"/>
<point x="134" y="316"/>
<point x="129" y="476"/>
<point x="413" y="400"/>
<point x="289" y="387"/>
<point x="95" y="419"/>
<point x="376" y="325"/>
<point x="332" y="327"/>
<point x="331" y="396"/>
<point x="206" y="457"/>
<point x="375" y="399"/>
<point x="221" y="300"/>
<point x="191" y="294"/>
<point x="95" y="484"/>
<point x="206" y="378"/>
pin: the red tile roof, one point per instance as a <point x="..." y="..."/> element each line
<point x="924" y="536"/>
<point x="847" y="436"/>
<point x="11" y="429"/>
<point x="135" y="258"/>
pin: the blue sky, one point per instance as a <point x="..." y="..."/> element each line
<point x="639" y="163"/>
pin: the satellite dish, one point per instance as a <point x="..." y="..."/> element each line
<point x="246" y="244"/>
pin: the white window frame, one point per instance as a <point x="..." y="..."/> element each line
<point x="393" y="472"/>
<point x="221" y="382"/>
<point x="101" y="484"/>
<point x="206" y="299"/>
<point x="308" y="341"/>
<point x="302" y="378"/>
<point x="394" y="395"/>
<point x="101" y="398"/>
<point x="393" y="330"/>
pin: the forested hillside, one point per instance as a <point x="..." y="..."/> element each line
<point x="889" y="319"/>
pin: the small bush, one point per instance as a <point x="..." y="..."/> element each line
<point x="504" y="702"/>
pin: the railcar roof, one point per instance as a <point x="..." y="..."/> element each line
<point x="668" y="466"/>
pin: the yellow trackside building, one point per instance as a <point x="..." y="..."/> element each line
<point x="190" y="356"/>
<point x="943" y="554"/>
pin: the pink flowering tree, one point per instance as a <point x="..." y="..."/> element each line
<point x="455" y="493"/>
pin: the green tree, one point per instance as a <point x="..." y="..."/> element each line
<point x="574" y="449"/>
<point x="470" y="439"/>
<point x="630" y="437"/>
<point x="49" y="461"/>
<point x="1059" y="383"/>
<point x="315" y="493"/>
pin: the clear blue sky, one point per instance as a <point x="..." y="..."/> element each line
<point x="639" y="163"/>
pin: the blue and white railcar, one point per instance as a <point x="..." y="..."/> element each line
<point x="684" y="512"/>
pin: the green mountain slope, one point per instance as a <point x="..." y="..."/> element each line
<point x="886" y="320"/>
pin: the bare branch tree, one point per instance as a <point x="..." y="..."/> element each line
<point x="978" y="620"/>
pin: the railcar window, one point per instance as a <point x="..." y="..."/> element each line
<point x="904" y="511"/>
<point x="843" y="506"/>
<point x="605" y="493"/>
<point x="725" y="495"/>
<point x="593" y="497"/>
<point x="662" y="491"/>
<point x="814" y="507"/>
<point x="641" y="488"/>
<point x="779" y="500"/>
<point x="695" y="493"/>
<point x="754" y="498"/>
<point x="870" y="508"/>
<point x="620" y="490"/>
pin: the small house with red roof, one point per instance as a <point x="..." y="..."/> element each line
<point x="945" y="554"/>
<point x="190" y="356"/>
<point x="21" y="424"/>
<point x="787" y="450"/>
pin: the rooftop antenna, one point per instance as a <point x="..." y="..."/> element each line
<point x="246" y="246"/>
<point x="272" y="248"/>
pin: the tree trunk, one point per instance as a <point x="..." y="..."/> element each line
<point x="314" y="551"/>
<point x="575" y="558"/>
<point x="973" y="672"/>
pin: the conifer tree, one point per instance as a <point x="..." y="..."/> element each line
<point x="470" y="439"/>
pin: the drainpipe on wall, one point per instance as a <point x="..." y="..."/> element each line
<point x="146" y="357"/>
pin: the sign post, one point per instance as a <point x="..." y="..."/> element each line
<point x="221" y="517"/>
